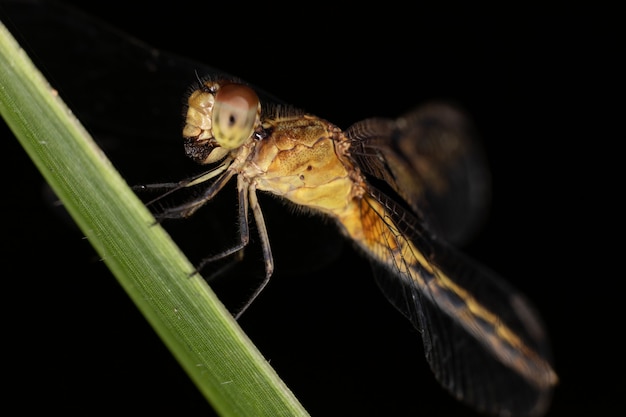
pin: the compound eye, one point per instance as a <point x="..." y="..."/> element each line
<point x="234" y="115"/>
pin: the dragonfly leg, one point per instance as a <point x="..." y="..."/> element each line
<point x="171" y="187"/>
<point x="244" y="229"/>
<point x="247" y="198"/>
<point x="187" y="209"/>
<point x="265" y="245"/>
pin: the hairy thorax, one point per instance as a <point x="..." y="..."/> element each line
<point x="305" y="160"/>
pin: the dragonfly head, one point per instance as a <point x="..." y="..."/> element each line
<point x="221" y="117"/>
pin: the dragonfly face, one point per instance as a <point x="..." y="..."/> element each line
<point x="379" y="181"/>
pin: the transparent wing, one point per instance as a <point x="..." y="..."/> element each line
<point x="115" y="83"/>
<point x="131" y="97"/>
<point x="497" y="362"/>
<point x="483" y="340"/>
<point x="431" y="158"/>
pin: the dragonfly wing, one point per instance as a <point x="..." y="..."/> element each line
<point x="130" y="96"/>
<point x="483" y="340"/>
<point x="459" y="362"/>
<point x="432" y="160"/>
<point x="97" y="68"/>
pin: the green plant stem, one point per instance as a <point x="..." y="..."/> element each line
<point x="185" y="313"/>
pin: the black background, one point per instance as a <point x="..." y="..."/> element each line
<point x="528" y="78"/>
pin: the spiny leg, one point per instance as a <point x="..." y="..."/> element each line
<point x="244" y="229"/>
<point x="247" y="196"/>
<point x="265" y="245"/>
<point x="187" y="209"/>
<point x="172" y="187"/>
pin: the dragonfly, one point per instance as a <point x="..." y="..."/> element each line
<point x="381" y="181"/>
<point x="399" y="190"/>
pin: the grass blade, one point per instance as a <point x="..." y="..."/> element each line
<point x="190" y="320"/>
